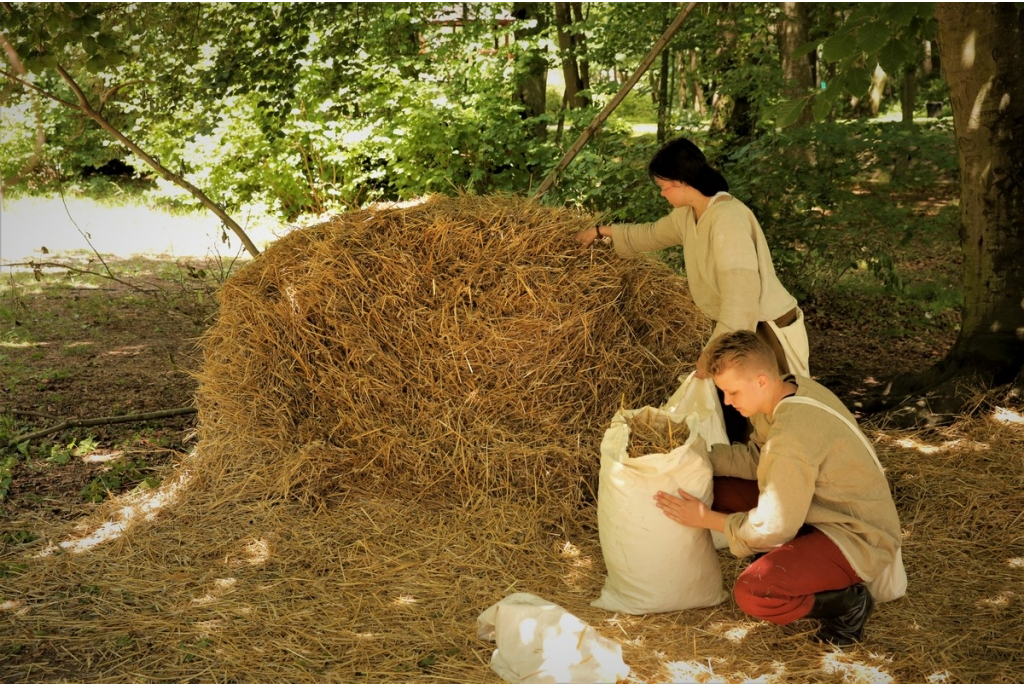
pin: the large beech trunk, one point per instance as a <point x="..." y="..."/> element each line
<point x="982" y="47"/>
<point x="982" y="50"/>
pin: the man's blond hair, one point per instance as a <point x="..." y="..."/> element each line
<point x="740" y="348"/>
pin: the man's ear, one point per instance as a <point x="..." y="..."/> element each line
<point x="762" y="380"/>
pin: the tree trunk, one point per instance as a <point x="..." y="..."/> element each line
<point x="663" y="97"/>
<point x="798" y="72"/>
<point x="570" y="47"/>
<point x="909" y="94"/>
<point x="983" y="62"/>
<point x="531" y="67"/>
<point x="580" y="43"/>
<point x="699" y="98"/>
<point x="567" y="51"/>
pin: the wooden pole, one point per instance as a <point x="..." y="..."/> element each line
<point x="610" y="107"/>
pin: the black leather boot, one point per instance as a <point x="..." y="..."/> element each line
<point x="843" y="614"/>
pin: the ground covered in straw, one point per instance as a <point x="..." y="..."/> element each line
<point x="399" y="419"/>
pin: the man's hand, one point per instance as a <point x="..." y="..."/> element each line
<point x="690" y="511"/>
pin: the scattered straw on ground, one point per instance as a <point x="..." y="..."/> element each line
<point x="400" y="414"/>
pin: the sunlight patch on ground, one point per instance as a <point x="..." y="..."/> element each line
<point x="221" y="586"/>
<point x="911" y="444"/>
<point x="145" y="506"/>
<point x="1016" y="562"/>
<point x="31" y="223"/>
<point x="939" y="677"/>
<point x="18" y="343"/>
<point x="1003" y="415"/>
<point x="851" y="670"/>
<point x="691" y="672"/>
<point x="127" y="351"/>
<point x="254" y="553"/>
<point x="731" y="631"/>
<point x="1000" y="601"/>
<point x="101" y="456"/>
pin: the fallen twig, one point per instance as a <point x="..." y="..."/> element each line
<point x="76" y="423"/>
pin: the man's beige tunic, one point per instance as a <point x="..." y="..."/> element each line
<point x="810" y="467"/>
<point x="728" y="265"/>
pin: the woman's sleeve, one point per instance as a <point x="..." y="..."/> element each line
<point x="632" y="239"/>
<point x="736" y="268"/>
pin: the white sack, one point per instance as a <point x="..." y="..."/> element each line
<point x="699" y="396"/>
<point x="654" y="564"/>
<point x="540" y="642"/>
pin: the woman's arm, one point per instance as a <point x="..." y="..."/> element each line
<point x="632" y="239"/>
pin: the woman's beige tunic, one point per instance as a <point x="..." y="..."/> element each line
<point x="728" y="265"/>
<point x="811" y="468"/>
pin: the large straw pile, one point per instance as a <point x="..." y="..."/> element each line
<point x="456" y="349"/>
<point x="400" y="417"/>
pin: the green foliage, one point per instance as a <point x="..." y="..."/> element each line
<point x="889" y="35"/>
<point x="7" y="465"/>
<point x="62" y="454"/>
<point x="825" y="196"/>
<point x="609" y="177"/>
<point x="120" y="475"/>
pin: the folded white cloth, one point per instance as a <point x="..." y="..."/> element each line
<point x="540" y="642"/>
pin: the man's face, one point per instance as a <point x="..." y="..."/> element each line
<point x="746" y="391"/>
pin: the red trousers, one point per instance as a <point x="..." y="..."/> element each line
<point x="780" y="585"/>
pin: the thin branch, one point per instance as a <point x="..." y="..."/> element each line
<point x="105" y="420"/>
<point x="41" y="91"/>
<point x="86" y="107"/>
<point x="88" y="238"/>
<point x="589" y="131"/>
<point x="85" y="272"/>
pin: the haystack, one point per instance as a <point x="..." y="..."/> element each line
<point x="457" y="349"/>
<point x="400" y="417"/>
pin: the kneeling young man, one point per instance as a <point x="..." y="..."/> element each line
<point x="805" y="495"/>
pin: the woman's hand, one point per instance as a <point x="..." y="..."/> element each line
<point x="589" y="235"/>
<point x="690" y="511"/>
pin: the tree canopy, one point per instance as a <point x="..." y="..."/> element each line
<point x="304" y="108"/>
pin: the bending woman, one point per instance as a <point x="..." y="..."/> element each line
<point x="728" y="265"/>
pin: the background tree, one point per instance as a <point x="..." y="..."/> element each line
<point x="982" y="50"/>
<point x="572" y="47"/>
<point x="983" y="65"/>
<point x="531" y="64"/>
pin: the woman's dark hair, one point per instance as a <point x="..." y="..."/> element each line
<point x="681" y="160"/>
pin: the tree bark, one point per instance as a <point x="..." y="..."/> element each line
<point x="663" y="100"/>
<point x="798" y="72"/>
<point x="581" y="47"/>
<point x="909" y="94"/>
<point x="982" y="50"/>
<point x="532" y="66"/>
<point x="568" y="45"/>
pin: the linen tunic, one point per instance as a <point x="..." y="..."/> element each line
<point x="810" y="467"/>
<point x="728" y="265"/>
